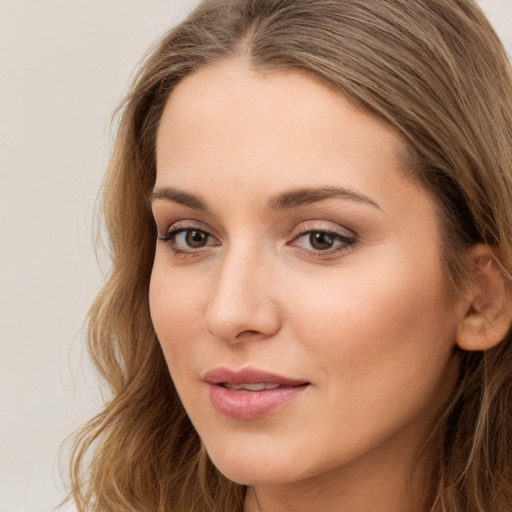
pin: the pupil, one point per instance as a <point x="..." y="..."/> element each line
<point x="196" y="238"/>
<point x="321" y="241"/>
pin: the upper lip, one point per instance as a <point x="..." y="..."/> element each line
<point x="224" y="375"/>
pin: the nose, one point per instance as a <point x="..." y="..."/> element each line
<point x="243" y="304"/>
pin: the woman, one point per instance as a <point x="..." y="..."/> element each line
<point x="310" y="300"/>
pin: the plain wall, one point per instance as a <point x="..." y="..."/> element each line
<point x="64" y="65"/>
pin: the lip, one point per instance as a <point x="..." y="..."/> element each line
<point x="245" y="404"/>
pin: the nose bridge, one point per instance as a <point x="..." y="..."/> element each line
<point x="243" y="300"/>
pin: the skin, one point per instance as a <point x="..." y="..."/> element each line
<point x="370" y="323"/>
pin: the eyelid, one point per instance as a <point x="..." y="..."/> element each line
<point x="325" y="226"/>
<point x="347" y="239"/>
<point x="185" y="224"/>
<point x="177" y="228"/>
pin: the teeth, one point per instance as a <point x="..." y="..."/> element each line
<point x="260" y="386"/>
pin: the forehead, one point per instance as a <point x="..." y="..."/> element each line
<point x="229" y="104"/>
<point x="230" y="122"/>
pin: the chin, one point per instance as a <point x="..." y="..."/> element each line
<point x="254" y="467"/>
<point x="243" y="469"/>
<point x="255" y="475"/>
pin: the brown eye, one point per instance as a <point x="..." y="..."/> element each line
<point x="183" y="240"/>
<point x="196" y="239"/>
<point x="320" y="240"/>
<point x="323" y="243"/>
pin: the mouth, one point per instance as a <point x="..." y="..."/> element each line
<point x="249" y="393"/>
<point x="250" y="379"/>
<point x="262" y="386"/>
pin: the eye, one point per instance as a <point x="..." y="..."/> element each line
<point x="323" y="242"/>
<point x="192" y="238"/>
<point x="187" y="240"/>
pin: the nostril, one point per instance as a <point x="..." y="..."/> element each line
<point x="248" y="333"/>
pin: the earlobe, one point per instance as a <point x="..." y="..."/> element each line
<point x="488" y="312"/>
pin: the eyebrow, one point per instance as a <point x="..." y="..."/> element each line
<point x="279" y="202"/>
<point x="304" y="196"/>
<point x="177" y="196"/>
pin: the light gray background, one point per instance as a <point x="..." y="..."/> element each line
<point x="64" y="65"/>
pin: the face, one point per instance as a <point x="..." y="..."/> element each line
<point x="297" y="288"/>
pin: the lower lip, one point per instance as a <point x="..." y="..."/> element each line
<point x="249" y="405"/>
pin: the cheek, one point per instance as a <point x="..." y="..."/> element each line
<point x="385" y="328"/>
<point x="384" y="350"/>
<point x="177" y="312"/>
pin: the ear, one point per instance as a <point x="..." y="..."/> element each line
<point x="486" y="316"/>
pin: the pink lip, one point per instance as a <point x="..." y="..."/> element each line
<point x="247" y="405"/>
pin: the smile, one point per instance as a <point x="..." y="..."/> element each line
<point x="250" y="387"/>
<point x="250" y="394"/>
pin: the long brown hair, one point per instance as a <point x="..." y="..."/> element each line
<point x="433" y="69"/>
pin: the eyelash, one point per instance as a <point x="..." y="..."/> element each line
<point x="346" y="243"/>
<point x="170" y="237"/>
